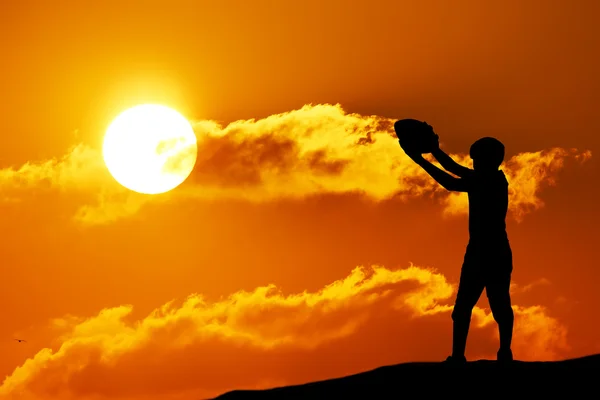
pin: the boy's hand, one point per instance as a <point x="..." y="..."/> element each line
<point x="435" y="142"/>
<point x="415" y="156"/>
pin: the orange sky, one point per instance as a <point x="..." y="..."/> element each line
<point x="305" y="245"/>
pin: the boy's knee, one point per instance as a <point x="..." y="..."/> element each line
<point x="461" y="312"/>
<point x="503" y="313"/>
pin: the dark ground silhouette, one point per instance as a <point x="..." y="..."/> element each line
<point x="483" y="379"/>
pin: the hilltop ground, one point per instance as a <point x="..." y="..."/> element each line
<point x="575" y="377"/>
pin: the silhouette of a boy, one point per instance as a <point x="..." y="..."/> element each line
<point x="488" y="258"/>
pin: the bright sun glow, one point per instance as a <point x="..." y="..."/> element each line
<point x="150" y="149"/>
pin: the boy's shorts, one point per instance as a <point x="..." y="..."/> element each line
<point x="486" y="267"/>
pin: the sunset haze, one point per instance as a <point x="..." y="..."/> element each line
<point x="299" y="247"/>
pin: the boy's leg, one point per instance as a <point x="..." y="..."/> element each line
<point x="498" y="293"/>
<point x="470" y="288"/>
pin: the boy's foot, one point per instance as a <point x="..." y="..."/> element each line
<point x="456" y="360"/>
<point x="504" y="355"/>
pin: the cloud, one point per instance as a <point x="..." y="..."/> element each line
<point x="82" y="168"/>
<point x="81" y="172"/>
<point x="526" y="173"/>
<point x="514" y="288"/>
<point x="256" y="338"/>
<point x="316" y="149"/>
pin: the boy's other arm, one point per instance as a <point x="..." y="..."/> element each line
<point x="443" y="178"/>
<point x="449" y="164"/>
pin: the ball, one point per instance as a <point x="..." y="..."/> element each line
<point x="415" y="136"/>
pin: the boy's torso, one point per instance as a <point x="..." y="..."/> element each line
<point x="488" y="206"/>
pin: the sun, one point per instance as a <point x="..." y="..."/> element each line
<point x="150" y="149"/>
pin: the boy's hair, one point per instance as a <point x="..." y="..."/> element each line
<point x="489" y="151"/>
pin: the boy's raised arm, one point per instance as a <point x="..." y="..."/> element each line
<point x="443" y="178"/>
<point x="449" y="164"/>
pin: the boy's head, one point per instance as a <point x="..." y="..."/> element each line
<point x="487" y="154"/>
